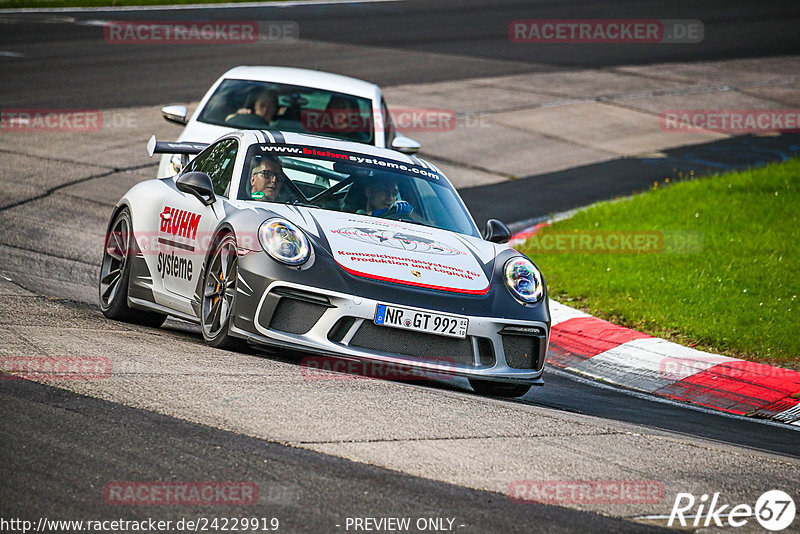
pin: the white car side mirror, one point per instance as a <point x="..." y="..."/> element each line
<point x="406" y="145"/>
<point x="176" y="114"/>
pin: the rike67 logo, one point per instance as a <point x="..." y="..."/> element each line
<point x="774" y="510"/>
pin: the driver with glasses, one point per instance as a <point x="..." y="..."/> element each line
<point x="268" y="181"/>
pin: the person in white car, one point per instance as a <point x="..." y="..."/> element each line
<point x="260" y="112"/>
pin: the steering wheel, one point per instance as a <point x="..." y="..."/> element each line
<point x="400" y="211"/>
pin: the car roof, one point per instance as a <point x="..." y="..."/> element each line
<point x="306" y="78"/>
<point x="250" y="137"/>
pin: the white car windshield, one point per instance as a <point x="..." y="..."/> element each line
<point x="349" y="182"/>
<point x="252" y="105"/>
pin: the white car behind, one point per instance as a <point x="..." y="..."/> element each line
<point x="308" y="101"/>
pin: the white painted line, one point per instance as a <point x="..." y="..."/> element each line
<point x="285" y="3"/>
<point x="31" y="20"/>
<point x="91" y="22"/>
<point x="528" y="224"/>
<point x="791" y="416"/>
<point x="688" y="517"/>
<point x="11" y="54"/>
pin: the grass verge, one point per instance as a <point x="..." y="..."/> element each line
<point x="721" y="273"/>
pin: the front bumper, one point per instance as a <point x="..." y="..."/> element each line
<point x="323" y="321"/>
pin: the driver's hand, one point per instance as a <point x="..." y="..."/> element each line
<point x="401" y="207"/>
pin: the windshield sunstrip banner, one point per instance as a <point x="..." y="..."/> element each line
<point x="351" y="157"/>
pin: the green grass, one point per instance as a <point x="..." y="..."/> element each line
<point x="734" y="290"/>
<point x="17" y="4"/>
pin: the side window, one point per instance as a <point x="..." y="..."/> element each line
<point x="217" y="162"/>
<point x="388" y="124"/>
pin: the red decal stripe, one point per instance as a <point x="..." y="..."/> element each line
<point x="416" y="284"/>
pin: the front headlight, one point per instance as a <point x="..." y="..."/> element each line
<point x="524" y="280"/>
<point x="284" y="241"/>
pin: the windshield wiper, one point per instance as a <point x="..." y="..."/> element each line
<point x="304" y="204"/>
<point x="403" y="219"/>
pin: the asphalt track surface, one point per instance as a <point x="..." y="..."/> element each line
<point x="67" y="64"/>
<point x="560" y="191"/>
<point x="305" y="490"/>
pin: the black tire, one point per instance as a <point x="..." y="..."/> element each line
<point x="115" y="271"/>
<point x="499" y="389"/>
<point x="219" y="293"/>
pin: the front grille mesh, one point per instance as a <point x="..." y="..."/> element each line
<point x="416" y="344"/>
<point x="522" y="352"/>
<point x="296" y="316"/>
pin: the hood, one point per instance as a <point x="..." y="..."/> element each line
<point x="399" y="252"/>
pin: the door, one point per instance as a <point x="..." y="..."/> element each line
<point x="187" y="226"/>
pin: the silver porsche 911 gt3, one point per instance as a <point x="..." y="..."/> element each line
<point x="329" y="247"/>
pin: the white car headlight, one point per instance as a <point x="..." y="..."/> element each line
<point x="284" y="241"/>
<point x="523" y="279"/>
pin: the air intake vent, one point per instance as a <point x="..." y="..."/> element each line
<point x="417" y="344"/>
<point x="296" y="316"/>
<point x="522" y="352"/>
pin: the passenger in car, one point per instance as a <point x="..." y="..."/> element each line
<point x="259" y="112"/>
<point x="382" y="198"/>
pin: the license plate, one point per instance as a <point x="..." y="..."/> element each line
<point x="421" y="321"/>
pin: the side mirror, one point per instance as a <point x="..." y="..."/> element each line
<point x="496" y="232"/>
<point x="406" y="145"/>
<point x="176" y="114"/>
<point x="198" y="184"/>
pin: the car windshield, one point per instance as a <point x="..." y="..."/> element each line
<point x="252" y="105"/>
<point x="349" y="182"/>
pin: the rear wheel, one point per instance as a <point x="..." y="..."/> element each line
<point x="499" y="389"/>
<point x="115" y="272"/>
<point x="219" y="292"/>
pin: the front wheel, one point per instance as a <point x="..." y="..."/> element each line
<point x="219" y="292"/>
<point x="115" y="272"/>
<point x="498" y="389"/>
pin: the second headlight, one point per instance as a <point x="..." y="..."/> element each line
<point x="523" y="279"/>
<point x="284" y="241"/>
